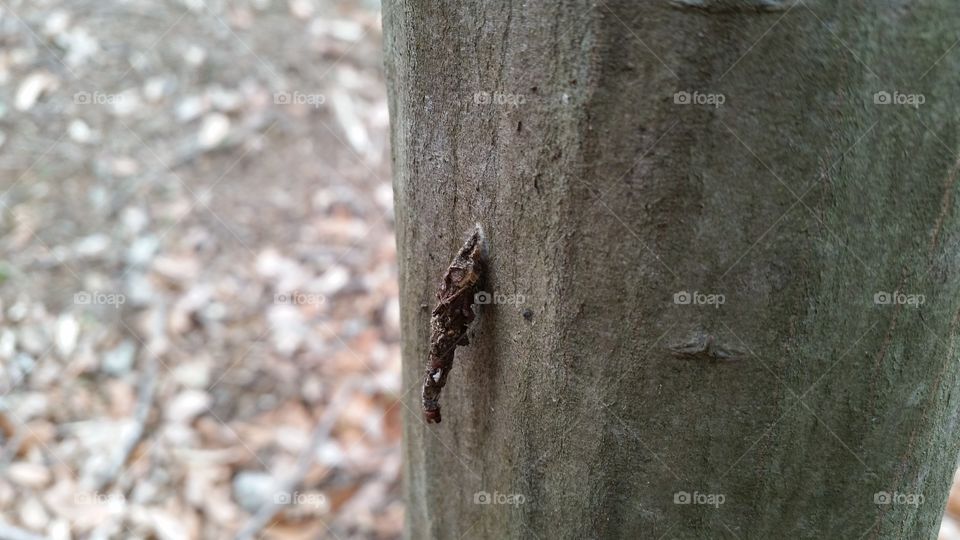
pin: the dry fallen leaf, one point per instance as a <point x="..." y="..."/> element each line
<point x="32" y="88"/>
<point x="213" y="131"/>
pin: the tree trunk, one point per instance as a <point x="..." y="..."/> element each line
<point x="621" y="153"/>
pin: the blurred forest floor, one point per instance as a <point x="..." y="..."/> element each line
<point x="199" y="299"/>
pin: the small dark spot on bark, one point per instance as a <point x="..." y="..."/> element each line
<point x="528" y="314"/>
<point x="533" y="89"/>
<point x="519" y="127"/>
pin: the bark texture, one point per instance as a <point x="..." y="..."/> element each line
<point x="787" y="411"/>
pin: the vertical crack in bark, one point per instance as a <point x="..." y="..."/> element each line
<point x="885" y="344"/>
<point x="948" y="184"/>
<point x="911" y="447"/>
<point x="451" y="317"/>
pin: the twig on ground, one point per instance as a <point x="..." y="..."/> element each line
<point x="320" y="434"/>
<point x="145" y="393"/>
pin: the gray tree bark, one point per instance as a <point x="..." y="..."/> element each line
<point x="799" y="406"/>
